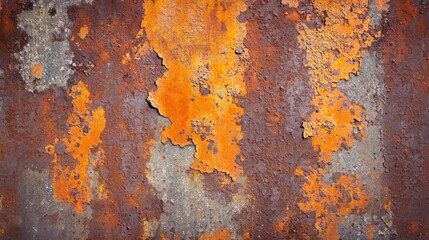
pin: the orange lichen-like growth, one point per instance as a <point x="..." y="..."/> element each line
<point x="71" y="181"/>
<point x="331" y="201"/>
<point x="219" y="234"/>
<point x="200" y="43"/>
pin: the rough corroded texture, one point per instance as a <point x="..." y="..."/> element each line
<point x="214" y="119"/>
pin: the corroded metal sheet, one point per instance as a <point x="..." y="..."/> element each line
<point x="214" y="119"/>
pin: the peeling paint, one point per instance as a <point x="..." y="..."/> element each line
<point x="200" y="44"/>
<point x="336" y="123"/>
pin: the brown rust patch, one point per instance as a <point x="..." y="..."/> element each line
<point x="406" y="127"/>
<point x="333" y="125"/>
<point x="200" y="43"/>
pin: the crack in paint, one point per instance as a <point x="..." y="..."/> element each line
<point x="200" y="43"/>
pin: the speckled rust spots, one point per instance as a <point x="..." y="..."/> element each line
<point x="331" y="201"/>
<point x="334" y="48"/>
<point x="219" y="234"/>
<point x="200" y="43"/>
<point x="71" y="181"/>
<point x="37" y="70"/>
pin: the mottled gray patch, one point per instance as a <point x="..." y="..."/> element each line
<point x="43" y="217"/>
<point x="356" y="227"/>
<point x="48" y="28"/>
<point x="365" y="157"/>
<point x="374" y="13"/>
<point x="187" y="207"/>
<point x="367" y="89"/>
<point x="94" y="177"/>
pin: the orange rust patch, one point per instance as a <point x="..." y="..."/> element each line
<point x="333" y="51"/>
<point x="333" y="123"/>
<point x="37" y="70"/>
<point x="71" y="183"/>
<point x="197" y="41"/>
<point x="219" y="234"/>
<point x="329" y="202"/>
<point x="83" y="32"/>
<point x="405" y="12"/>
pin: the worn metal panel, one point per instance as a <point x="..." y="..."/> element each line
<point x="214" y="119"/>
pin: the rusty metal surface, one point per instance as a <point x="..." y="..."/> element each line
<point x="212" y="119"/>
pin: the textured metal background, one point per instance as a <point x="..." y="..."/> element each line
<point x="211" y="119"/>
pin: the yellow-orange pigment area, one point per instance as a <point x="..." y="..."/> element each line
<point x="331" y="201"/>
<point x="71" y="183"/>
<point x="198" y="42"/>
<point x="333" y="51"/>
<point x="220" y="234"/>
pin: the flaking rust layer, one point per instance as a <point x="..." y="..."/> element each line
<point x="201" y="44"/>
<point x="335" y="37"/>
<point x="214" y="119"/>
